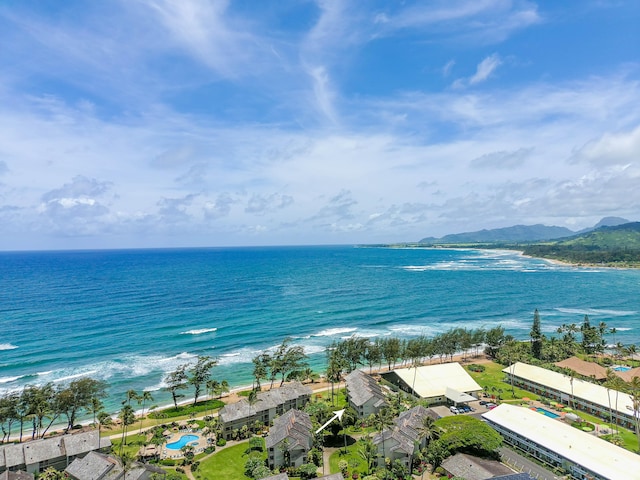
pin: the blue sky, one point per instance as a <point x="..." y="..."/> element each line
<point x="159" y="123"/>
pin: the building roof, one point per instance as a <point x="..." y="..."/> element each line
<point x="36" y="451"/>
<point x="293" y="425"/>
<point x="474" y="468"/>
<point x="13" y="455"/>
<point x="628" y="375"/>
<point x="92" y="467"/>
<point x="363" y="389"/>
<point x="433" y="380"/>
<point x="280" y="476"/>
<point x="19" y="475"/>
<point x="266" y="401"/>
<point x="39" y="450"/>
<point x="611" y="462"/>
<point x="79" y="443"/>
<point x="584" y="368"/>
<point x="406" y="431"/>
<point x="592" y="392"/>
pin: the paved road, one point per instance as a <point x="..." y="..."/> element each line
<point x="523" y="464"/>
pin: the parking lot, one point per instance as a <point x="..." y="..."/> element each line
<point x="475" y="407"/>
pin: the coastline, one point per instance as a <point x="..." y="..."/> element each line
<point x="233" y="396"/>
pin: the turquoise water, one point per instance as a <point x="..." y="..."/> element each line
<point x="184" y="440"/>
<point x="547" y="412"/>
<point x="130" y="316"/>
<point x="621" y="368"/>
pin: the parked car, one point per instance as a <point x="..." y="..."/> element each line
<point x="483" y="402"/>
<point x="454" y="410"/>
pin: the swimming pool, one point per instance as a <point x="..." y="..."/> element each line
<point x="621" y="368"/>
<point x="184" y="440"/>
<point x="544" y="412"/>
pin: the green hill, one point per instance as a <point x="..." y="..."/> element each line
<point x="613" y="246"/>
<point x="516" y="233"/>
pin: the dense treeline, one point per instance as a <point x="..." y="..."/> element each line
<point x="584" y="254"/>
<point x="42" y="406"/>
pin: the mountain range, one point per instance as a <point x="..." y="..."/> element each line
<point x="520" y="233"/>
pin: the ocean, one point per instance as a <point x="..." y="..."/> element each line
<point x="130" y="316"/>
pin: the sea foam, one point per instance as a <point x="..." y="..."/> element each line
<point x="330" y="332"/>
<point x="7" y="346"/>
<point x="199" y="331"/>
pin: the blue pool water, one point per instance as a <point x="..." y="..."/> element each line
<point x="184" y="440"/>
<point x="621" y="368"/>
<point x="539" y="410"/>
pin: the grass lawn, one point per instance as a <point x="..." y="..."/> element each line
<point x="227" y="463"/>
<point x="134" y="442"/>
<point x="356" y="463"/>
<point x="339" y="399"/>
<point x="493" y="379"/>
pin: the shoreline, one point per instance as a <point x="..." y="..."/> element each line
<point x="233" y="396"/>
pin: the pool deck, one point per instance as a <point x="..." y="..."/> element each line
<point x="201" y="443"/>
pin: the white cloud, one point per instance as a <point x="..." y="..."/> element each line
<point x="620" y="148"/>
<point x="484" y="70"/>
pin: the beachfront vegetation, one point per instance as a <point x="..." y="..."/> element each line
<point x="617" y="245"/>
<point x="289" y="362"/>
<point x="42" y="406"/>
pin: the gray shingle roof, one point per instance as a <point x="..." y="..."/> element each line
<point x="474" y="468"/>
<point x="266" y="401"/>
<point x="280" y="476"/>
<point x="14" y="455"/>
<point x="40" y="450"/>
<point x="406" y="431"/>
<point x="79" y="443"/>
<point x="362" y="388"/>
<point x="294" y="425"/>
<point x="19" y="475"/>
<point x="92" y="467"/>
<point x="36" y="451"/>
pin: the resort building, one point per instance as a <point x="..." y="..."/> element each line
<point x="404" y="439"/>
<point x="557" y="444"/>
<point x="584" y="368"/>
<point x="445" y="383"/>
<point x="58" y="452"/>
<point x="364" y="394"/>
<point x="96" y="466"/>
<point x="469" y="467"/>
<point x="589" y="397"/>
<point x="289" y="440"/>
<point x="7" y="475"/>
<point x="627" y="374"/>
<point x="269" y="404"/>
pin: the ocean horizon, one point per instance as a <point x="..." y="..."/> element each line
<point x="129" y="317"/>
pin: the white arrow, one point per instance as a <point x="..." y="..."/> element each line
<point x="337" y="414"/>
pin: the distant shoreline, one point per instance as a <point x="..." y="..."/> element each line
<point x="487" y="247"/>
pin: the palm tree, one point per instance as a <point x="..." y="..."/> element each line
<point x="131" y="395"/>
<point x="128" y="418"/>
<point x="634" y="393"/>
<point x="613" y="332"/>
<point x="146" y="395"/>
<point x="428" y="430"/>
<point x="125" y="459"/>
<point x="630" y="351"/>
<point x="368" y="453"/>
